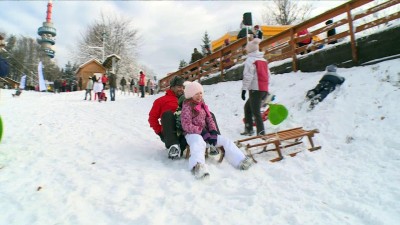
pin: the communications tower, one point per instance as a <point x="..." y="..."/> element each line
<point x="47" y="33"/>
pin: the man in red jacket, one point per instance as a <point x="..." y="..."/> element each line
<point x="163" y="109"/>
<point x="142" y="83"/>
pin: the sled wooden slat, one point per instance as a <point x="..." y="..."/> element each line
<point x="221" y="153"/>
<point x="279" y="141"/>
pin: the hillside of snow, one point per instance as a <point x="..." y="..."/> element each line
<point x="67" y="161"/>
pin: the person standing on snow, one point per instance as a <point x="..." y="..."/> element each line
<point x="142" y="83"/>
<point x="132" y="86"/>
<point x="89" y="87"/>
<point x="256" y="81"/>
<point x="112" y="81"/>
<point x="163" y="110"/>
<point x="98" y="88"/>
<point x="123" y="84"/>
<point x="104" y="80"/>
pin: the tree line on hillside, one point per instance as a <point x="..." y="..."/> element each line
<point x="117" y="33"/>
<point x="23" y="55"/>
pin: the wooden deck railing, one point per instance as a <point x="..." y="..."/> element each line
<point x="283" y="45"/>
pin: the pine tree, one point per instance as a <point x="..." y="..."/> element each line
<point x="182" y="64"/>
<point x="206" y="43"/>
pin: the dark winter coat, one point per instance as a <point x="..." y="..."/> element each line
<point x="258" y="34"/>
<point x="333" y="78"/>
<point x="122" y="82"/>
<point x="196" y="55"/>
<point x="168" y="102"/>
<point x="112" y="81"/>
<point x="242" y="33"/>
<point x="177" y="115"/>
<point x="332" y="32"/>
<point x="4" y="67"/>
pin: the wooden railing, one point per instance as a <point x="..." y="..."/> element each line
<point x="283" y="45"/>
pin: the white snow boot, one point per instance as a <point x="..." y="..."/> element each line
<point x="200" y="171"/>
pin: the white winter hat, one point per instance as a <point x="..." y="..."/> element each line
<point x="252" y="46"/>
<point x="192" y="88"/>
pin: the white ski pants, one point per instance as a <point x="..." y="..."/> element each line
<point x="198" y="148"/>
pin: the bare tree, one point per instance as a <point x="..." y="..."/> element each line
<point x="285" y="12"/>
<point x="117" y="35"/>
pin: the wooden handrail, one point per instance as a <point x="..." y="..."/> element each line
<point x="283" y="45"/>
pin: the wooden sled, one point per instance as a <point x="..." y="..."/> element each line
<point x="280" y="140"/>
<point x="221" y="153"/>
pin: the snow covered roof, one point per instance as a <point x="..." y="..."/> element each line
<point x="88" y="62"/>
<point x="108" y="61"/>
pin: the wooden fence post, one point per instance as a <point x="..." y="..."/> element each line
<point x="221" y="65"/>
<point x="294" y="57"/>
<point x="352" y="36"/>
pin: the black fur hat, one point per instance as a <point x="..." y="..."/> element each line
<point x="176" y="81"/>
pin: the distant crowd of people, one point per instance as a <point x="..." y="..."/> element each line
<point x="136" y="86"/>
<point x="256" y="32"/>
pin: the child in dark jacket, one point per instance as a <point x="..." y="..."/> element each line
<point x="326" y="85"/>
<point x="199" y="127"/>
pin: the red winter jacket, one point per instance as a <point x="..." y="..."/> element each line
<point x="168" y="102"/>
<point x="303" y="33"/>
<point x="104" y="79"/>
<point x="142" y="80"/>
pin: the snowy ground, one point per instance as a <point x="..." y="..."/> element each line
<point x="73" y="162"/>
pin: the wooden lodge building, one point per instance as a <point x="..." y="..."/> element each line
<point x="94" y="67"/>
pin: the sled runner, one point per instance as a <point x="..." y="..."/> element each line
<point x="221" y="153"/>
<point x="280" y="140"/>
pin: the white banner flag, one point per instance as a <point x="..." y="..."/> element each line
<point x="42" y="85"/>
<point x="22" y="82"/>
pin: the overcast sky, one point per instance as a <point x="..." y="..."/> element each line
<point x="169" y="29"/>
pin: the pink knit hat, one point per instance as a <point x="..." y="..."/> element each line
<point x="192" y="88"/>
<point x="252" y="46"/>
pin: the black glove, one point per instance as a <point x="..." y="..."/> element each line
<point x="213" y="137"/>
<point x="161" y="136"/>
<point x="244" y="95"/>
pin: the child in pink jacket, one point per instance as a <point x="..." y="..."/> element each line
<point x="199" y="127"/>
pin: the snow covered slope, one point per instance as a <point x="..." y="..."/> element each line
<point x="75" y="162"/>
